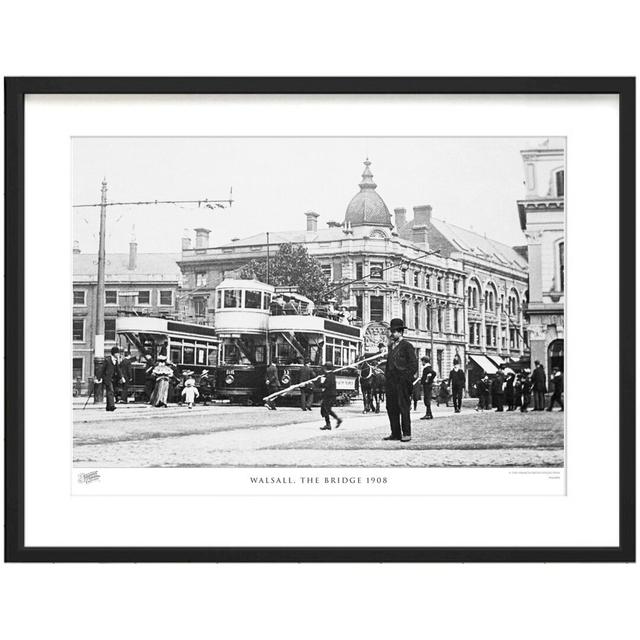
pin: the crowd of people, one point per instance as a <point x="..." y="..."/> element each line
<point x="164" y="383"/>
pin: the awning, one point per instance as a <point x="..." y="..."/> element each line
<point x="497" y="359"/>
<point x="484" y="363"/>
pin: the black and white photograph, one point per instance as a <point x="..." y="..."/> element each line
<point x="318" y="302"/>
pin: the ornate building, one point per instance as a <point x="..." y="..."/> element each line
<point x="541" y="214"/>
<point x="423" y="270"/>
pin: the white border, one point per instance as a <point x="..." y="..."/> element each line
<point x="587" y="516"/>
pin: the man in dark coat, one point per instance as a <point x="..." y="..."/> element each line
<point x="329" y="393"/>
<point x="127" y="375"/>
<point x="526" y="391"/>
<point x="273" y="384"/>
<point x="558" y="388"/>
<point x="110" y="375"/>
<point x="539" y="385"/>
<point x="497" y="389"/>
<point x="509" y="391"/>
<point x="456" y="381"/>
<point x="400" y="369"/>
<point x="428" y="376"/>
<point x="482" y="388"/>
<point x="306" y="392"/>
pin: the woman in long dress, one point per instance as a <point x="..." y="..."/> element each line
<point x="162" y="373"/>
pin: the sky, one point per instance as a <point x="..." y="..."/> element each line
<point x="470" y="182"/>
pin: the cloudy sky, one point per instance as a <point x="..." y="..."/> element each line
<point x="471" y="182"/>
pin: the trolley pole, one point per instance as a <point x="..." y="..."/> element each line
<point x="98" y="342"/>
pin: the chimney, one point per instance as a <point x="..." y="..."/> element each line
<point x="401" y="218"/>
<point x="312" y="220"/>
<point x="76" y="246"/>
<point x="186" y="240"/>
<point x="133" y="254"/>
<point x="202" y="238"/>
<point x="421" y="222"/>
<point x="422" y="216"/>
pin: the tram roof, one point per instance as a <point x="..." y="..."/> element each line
<point x="233" y="283"/>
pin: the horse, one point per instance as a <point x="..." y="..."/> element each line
<point x="372" y="386"/>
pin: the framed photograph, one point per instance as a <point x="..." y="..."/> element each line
<point x="320" y="319"/>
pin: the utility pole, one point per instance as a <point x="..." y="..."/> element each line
<point x="98" y="341"/>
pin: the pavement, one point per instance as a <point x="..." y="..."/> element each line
<point x="137" y="435"/>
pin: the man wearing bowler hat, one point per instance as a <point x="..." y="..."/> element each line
<point x="111" y="375"/>
<point x="400" y="370"/>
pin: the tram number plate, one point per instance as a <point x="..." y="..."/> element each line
<point x="345" y="383"/>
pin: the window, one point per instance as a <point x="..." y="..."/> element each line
<point x="440" y="282"/>
<point x="111" y="297"/>
<point x="188" y="354"/>
<point x="166" y="298"/>
<point x="512" y="338"/>
<point x="473" y="296"/>
<point x="266" y="300"/>
<point x="375" y="271"/>
<point x="427" y="281"/>
<point x="416" y="278"/>
<point x="78" y="297"/>
<point x="503" y="338"/>
<point x="326" y="270"/>
<point x="252" y="299"/>
<point x="359" y="272"/>
<point x="201" y="278"/>
<point x="77" y="368"/>
<point x="200" y="307"/>
<point x="232" y="298"/>
<point x="110" y="329"/>
<point x="404" y="312"/>
<point x="416" y="315"/>
<point x="429" y="317"/>
<point x="359" y="307"/>
<point x="175" y="352"/>
<point x="561" y="265"/>
<point x="78" y="329"/>
<point x="455" y="321"/>
<point x="440" y="357"/>
<point x="144" y="297"/>
<point x="376" y="308"/>
<point x="559" y="180"/>
<point x="439" y="316"/>
<point x="455" y="287"/>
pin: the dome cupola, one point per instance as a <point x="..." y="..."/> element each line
<point x="367" y="207"/>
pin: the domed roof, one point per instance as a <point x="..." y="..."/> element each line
<point x="367" y="207"/>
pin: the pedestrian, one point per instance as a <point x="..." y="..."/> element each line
<point x="189" y="392"/>
<point x="127" y="377"/>
<point x="443" y="394"/>
<point x="539" y="384"/>
<point x="517" y="392"/>
<point x="457" y="381"/>
<point x="205" y="385"/>
<point x="509" y="390"/>
<point x="415" y="391"/>
<point x="329" y="394"/>
<point x="558" y="388"/>
<point x="400" y="369"/>
<point x="526" y="391"/>
<point x="482" y="389"/>
<point x="162" y="374"/>
<point x="149" y="380"/>
<point x="110" y="375"/>
<point x="427" y="378"/>
<point x="497" y="389"/>
<point x="306" y="391"/>
<point x="273" y="385"/>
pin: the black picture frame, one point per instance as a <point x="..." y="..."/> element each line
<point x="15" y="91"/>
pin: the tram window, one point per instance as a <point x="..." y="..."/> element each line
<point x="337" y="356"/>
<point x="252" y="299"/>
<point x="329" y="353"/>
<point x="213" y="358"/>
<point x="201" y="355"/>
<point x="260" y="353"/>
<point x="231" y="354"/>
<point x="231" y="298"/>
<point x="188" y="355"/>
<point x="175" y="353"/>
<point x="345" y="355"/>
<point x="219" y="300"/>
<point x="266" y="301"/>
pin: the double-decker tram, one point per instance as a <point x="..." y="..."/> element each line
<point x="185" y="345"/>
<point x="257" y="323"/>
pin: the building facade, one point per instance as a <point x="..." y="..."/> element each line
<point x="420" y="270"/>
<point x="542" y="219"/>
<point x="141" y="284"/>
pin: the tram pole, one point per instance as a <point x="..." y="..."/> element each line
<point x="98" y="341"/>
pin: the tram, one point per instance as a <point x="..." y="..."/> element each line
<point x="257" y="323"/>
<point x="186" y="345"/>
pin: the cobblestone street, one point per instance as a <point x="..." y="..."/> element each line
<point x="226" y="436"/>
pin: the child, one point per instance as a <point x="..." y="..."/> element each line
<point x="190" y="392"/>
<point x="443" y="394"/>
<point x="328" y="398"/>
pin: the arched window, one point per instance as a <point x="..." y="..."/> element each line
<point x="490" y="298"/>
<point x="556" y="355"/>
<point x="473" y="295"/>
